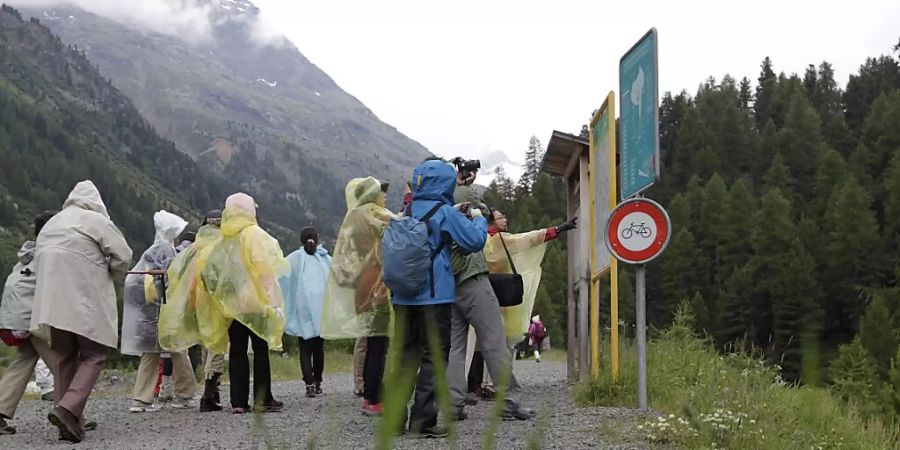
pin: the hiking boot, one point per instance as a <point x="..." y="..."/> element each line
<point x="183" y="403"/>
<point x="458" y="414"/>
<point x="310" y="391"/>
<point x="138" y="406"/>
<point x="319" y="389"/>
<point x="471" y="399"/>
<point x="371" y="409"/>
<point x="210" y="399"/>
<point x="270" y="406"/>
<point x="67" y="423"/>
<point x="6" y="428"/>
<point x="358" y="392"/>
<point x="47" y="396"/>
<point x="516" y="412"/>
<point x="486" y="393"/>
<point x="434" y="432"/>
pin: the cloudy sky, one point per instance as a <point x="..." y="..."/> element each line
<point x="469" y="76"/>
<point x="465" y="77"/>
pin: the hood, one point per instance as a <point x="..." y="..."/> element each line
<point x="86" y="196"/>
<point x="360" y="191"/>
<point x="536" y="318"/>
<point x="434" y="180"/>
<point x="320" y="251"/>
<point x="235" y="219"/>
<point x="168" y="226"/>
<point x="242" y="201"/>
<point x="26" y="253"/>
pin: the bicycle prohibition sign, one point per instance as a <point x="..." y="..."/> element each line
<point x="638" y="230"/>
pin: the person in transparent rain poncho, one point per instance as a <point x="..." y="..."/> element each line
<point x="144" y="294"/>
<point x="241" y="297"/>
<point x="356" y="299"/>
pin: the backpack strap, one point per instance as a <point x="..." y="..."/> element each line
<point x="440" y="246"/>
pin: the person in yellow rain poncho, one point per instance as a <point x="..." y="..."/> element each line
<point x="527" y="252"/>
<point x="239" y="272"/>
<point x="356" y="300"/>
<point x="189" y="317"/>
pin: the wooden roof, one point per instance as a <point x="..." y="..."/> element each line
<point x="561" y="149"/>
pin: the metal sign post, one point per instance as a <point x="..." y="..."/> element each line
<point x="638" y="231"/>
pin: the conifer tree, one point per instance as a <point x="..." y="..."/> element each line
<point x="795" y="310"/>
<point x="877" y="332"/>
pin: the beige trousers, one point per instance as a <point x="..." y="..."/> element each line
<point x="148" y="372"/>
<point x="359" y="363"/>
<point x="15" y="378"/>
<point x="213" y="364"/>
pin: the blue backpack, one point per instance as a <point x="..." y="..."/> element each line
<point x="408" y="255"/>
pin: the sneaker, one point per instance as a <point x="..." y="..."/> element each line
<point x="310" y="391"/>
<point x="6" y="428"/>
<point x="183" y="403"/>
<point x="358" y="392"/>
<point x="319" y="389"/>
<point x="138" y="406"/>
<point x="371" y="409"/>
<point x="89" y="425"/>
<point x="240" y="410"/>
<point x="517" y="413"/>
<point x="47" y="396"/>
<point x="434" y="432"/>
<point x="471" y="399"/>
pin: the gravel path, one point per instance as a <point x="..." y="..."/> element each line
<point x="334" y="421"/>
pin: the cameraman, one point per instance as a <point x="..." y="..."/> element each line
<point x="477" y="305"/>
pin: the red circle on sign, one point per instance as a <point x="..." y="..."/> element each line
<point x="647" y="249"/>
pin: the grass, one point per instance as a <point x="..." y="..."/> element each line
<point x="707" y="400"/>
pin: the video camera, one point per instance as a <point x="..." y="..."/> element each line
<point x="466" y="166"/>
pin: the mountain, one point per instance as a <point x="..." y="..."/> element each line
<point x="61" y="122"/>
<point x="260" y="114"/>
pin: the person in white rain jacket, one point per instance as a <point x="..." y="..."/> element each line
<point x="79" y="251"/>
<point x="144" y="293"/>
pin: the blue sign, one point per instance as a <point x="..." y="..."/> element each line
<point x="639" y="106"/>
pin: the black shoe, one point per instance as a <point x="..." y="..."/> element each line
<point x="90" y="425"/>
<point x="471" y="399"/>
<point x="517" y="413"/>
<point x="310" y="391"/>
<point x="486" y="393"/>
<point x="69" y="428"/>
<point x="434" y="432"/>
<point x="5" y="428"/>
<point x="319" y="389"/>
<point x="47" y="397"/>
<point x="208" y="405"/>
<point x="270" y="406"/>
<point x="208" y="402"/>
<point x="458" y="414"/>
<point x="215" y="389"/>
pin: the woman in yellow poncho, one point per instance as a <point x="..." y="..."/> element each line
<point x="356" y="300"/>
<point x="233" y="286"/>
<point x="527" y="252"/>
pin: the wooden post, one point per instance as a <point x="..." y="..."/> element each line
<point x="583" y="272"/>
<point x="571" y="242"/>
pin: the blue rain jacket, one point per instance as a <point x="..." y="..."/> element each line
<point x="433" y="183"/>
<point x="304" y="290"/>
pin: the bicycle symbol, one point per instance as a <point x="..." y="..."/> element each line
<point x="640" y="229"/>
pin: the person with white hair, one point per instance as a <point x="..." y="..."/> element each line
<point x="536" y="334"/>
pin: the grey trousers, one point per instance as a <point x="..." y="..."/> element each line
<point x="476" y="305"/>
